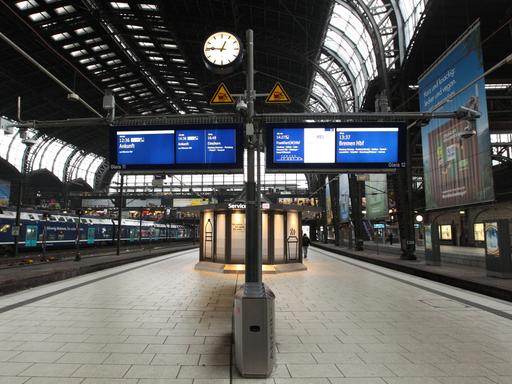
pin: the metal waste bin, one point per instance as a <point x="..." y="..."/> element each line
<point x="253" y="323"/>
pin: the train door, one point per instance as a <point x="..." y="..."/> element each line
<point x="90" y="235"/>
<point x="133" y="234"/>
<point x="31" y="236"/>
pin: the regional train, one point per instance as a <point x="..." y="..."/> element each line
<point x="55" y="231"/>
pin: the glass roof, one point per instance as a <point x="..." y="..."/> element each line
<point x="348" y="43"/>
<point x="51" y="154"/>
<point x="133" y="53"/>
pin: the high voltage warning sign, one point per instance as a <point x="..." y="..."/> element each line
<point x="278" y="95"/>
<point x="222" y="96"/>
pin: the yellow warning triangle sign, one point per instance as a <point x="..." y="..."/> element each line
<point x="222" y="96"/>
<point x="278" y="95"/>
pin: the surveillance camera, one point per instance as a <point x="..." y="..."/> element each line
<point x="73" y="97"/>
<point x="468" y="132"/>
<point x="241" y="105"/>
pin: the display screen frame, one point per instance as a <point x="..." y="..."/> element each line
<point x="194" y="168"/>
<point x="273" y="166"/>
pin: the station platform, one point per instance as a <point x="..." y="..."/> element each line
<point x="458" y="267"/>
<point x="342" y="321"/>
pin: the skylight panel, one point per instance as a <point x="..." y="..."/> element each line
<point x="146" y="44"/>
<point x="156" y="58"/>
<point x="78" y="53"/>
<point x="61" y="36"/>
<point x="148" y="7"/>
<point x="113" y="62"/>
<point x="66" y="9"/>
<point x="87" y="60"/>
<point x="24" y="5"/>
<point x="69" y="46"/>
<point x="101" y="47"/>
<point x="107" y="55"/>
<point x="119" y="5"/>
<point x="117" y="89"/>
<point x="93" y="67"/>
<point x="169" y="46"/>
<point x="83" y="31"/>
<point x="177" y="60"/>
<point x="141" y="37"/>
<point x="134" y="27"/>
<point x="126" y="74"/>
<point x="39" y="16"/>
<point x="93" y="40"/>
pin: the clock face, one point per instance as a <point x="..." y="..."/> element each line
<point x="222" y="48"/>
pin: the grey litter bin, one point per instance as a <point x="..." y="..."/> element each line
<point x="253" y="323"/>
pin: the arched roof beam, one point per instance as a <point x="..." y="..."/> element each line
<point x="326" y="92"/>
<point x="340" y="98"/>
<point x="354" y="47"/>
<point x="320" y="101"/>
<point x="329" y="52"/>
<point x="366" y="17"/>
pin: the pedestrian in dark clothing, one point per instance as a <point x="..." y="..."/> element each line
<point x="305" y="245"/>
<point x="390" y="237"/>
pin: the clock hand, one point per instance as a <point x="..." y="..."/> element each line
<point x="223" y="45"/>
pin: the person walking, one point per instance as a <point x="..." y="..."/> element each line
<point x="305" y="245"/>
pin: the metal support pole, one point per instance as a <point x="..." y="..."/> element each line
<point x="18" y="213"/>
<point x="252" y="211"/>
<point x="119" y="216"/>
<point x="77" y="253"/>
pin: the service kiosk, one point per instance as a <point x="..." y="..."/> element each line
<point x="222" y="237"/>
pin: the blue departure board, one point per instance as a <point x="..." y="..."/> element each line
<point x="194" y="147"/>
<point x="145" y="147"/>
<point x="335" y="146"/>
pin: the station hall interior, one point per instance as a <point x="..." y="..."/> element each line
<point x="242" y="191"/>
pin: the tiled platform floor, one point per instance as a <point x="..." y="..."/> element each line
<point x="336" y="323"/>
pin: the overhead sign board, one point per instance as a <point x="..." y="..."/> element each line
<point x="222" y="96"/>
<point x="278" y="95"/>
<point x="336" y="146"/>
<point x="204" y="147"/>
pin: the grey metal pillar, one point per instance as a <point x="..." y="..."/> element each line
<point x="252" y="246"/>
<point x="18" y="213"/>
<point x="119" y="215"/>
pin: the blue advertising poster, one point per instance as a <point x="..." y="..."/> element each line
<point x="220" y="146"/>
<point x="456" y="152"/>
<point x="190" y="146"/>
<point x="5" y="193"/>
<point x="145" y="147"/>
<point x="344" y="198"/>
<point x="367" y="145"/>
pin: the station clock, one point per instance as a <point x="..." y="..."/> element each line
<point x="222" y="52"/>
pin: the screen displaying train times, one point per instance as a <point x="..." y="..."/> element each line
<point x="176" y="148"/>
<point x="335" y="147"/>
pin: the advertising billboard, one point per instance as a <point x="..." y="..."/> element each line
<point x="335" y="146"/>
<point x="457" y="163"/>
<point x="376" y="191"/>
<point x="206" y="148"/>
<point x="344" y="198"/>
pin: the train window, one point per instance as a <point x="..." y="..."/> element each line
<point x="40" y="217"/>
<point x="90" y="221"/>
<point x="53" y="218"/>
<point x="84" y="221"/>
<point x="62" y="219"/>
<point x="70" y="220"/>
<point x="31" y="217"/>
<point x="75" y="220"/>
<point x="5" y="228"/>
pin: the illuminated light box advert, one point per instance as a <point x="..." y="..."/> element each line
<point x="208" y="148"/>
<point x="338" y="146"/>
